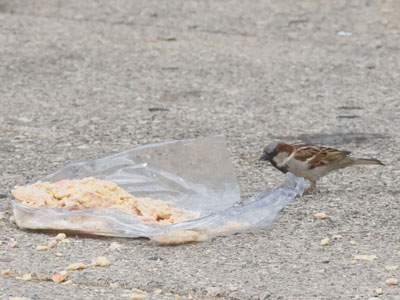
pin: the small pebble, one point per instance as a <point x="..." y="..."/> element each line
<point x="59" y="254"/>
<point x="379" y="291"/>
<point x="325" y="242"/>
<point x="27" y="277"/>
<point x="391" y="268"/>
<point x="392" y="281"/>
<point x="100" y="261"/>
<point x="76" y="266"/>
<point x="68" y="282"/>
<point x="158" y="291"/>
<point x="52" y="244"/>
<point x="5" y="272"/>
<point x="115" y="246"/>
<point x="13" y="244"/>
<point x="65" y="241"/>
<point x="336" y="236"/>
<point x="320" y="216"/>
<point x="1" y="216"/>
<point x="42" y="248"/>
<point x="114" y="285"/>
<point x="233" y="288"/>
<point x="12" y="220"/>
<point x="325" y="261"/>
<point x="353" y="242"/>
<point x="59" y="277"/>
<point x="133" y="296"/>
<point x="364" y="257"/>
<point x="61" y="236"/>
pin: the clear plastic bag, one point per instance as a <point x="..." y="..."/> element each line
<point x="196" y="175"/>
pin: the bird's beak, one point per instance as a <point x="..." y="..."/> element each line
<point x="264" y="156"/>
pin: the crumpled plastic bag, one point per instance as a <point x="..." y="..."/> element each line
<point x="196" y="175"/>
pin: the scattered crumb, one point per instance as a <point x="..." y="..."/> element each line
<point x="1" y="243"/>
<point x="364" y="257"/>
<point x="133" y="296"/>
<point x="114" y="285"/>
<point x="27" y="277"/>
<point x="52" y="244"/>
<point x="12" y="220"/>
<point x="325" y="242"/>
<point x="233" y="288"/>
<point x="59" y="254"/>
<point x="115" y="246"/>
<point x="176" y="237"/>
<point x="390" y="268"/>
<point x="68" y="282"/>
<point x="13" y="244"/>
<point x="16" y="298"/>
<point x="392" y="281"/>
<point x="5" y="272"/>
<point x="378" y="291"/>
<point x="320" y="216"/>
<point x="1" y="216"/>
<point x="336" y="236"/>
<point x="65" y="241"/>
<point x="100" y="261"/>
<point x="59" y="277"/>
<point x="76" y="266"/>
<point x="353" y="242"/>
<point x="158" y="291"/>
<point x="61" y="236"/>
<point x="42" y="248"/>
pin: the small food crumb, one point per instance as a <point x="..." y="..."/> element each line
<point x="65" y="241"/>
<point x="233" y="288"/>
<point x="1" y="243"/>
<point x="320" y="216"/>
<point x="5" y="272"/>
<point x="42" y="248"/>
<point x="13" y="244"/>
<point x="59" y="254"/>
<point x="1" y="216"/>
<point x="364" y="257"/>
<point x="68" y="282"/>
<point x="176" y="237"/>
<point x="390" y="268"/>
<point x="353" y="242"/>
<point x="325" y="242"/>
<point x="158" y="291"/>
<point x="115" y="246"/>
<point x="176" y="295"/>
<point x="52" y="243"/>
<point x="392" y="281"/>
<point x="16" y="298"/>
<point x="59" y="277"/>
<point x="27" y="277"/>
<point x="336" y="236"/>
<point x="76" y="266"/>
<point x="100" y="261"/>
<point x="379" y="291"/>
<point x="133" y="296"/>
<point x="114" y="285"/>
<point x="61" y="236"/>
<point x="12" y="220"/>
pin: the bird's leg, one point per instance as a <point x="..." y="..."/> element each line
<point x="311" y="188"/>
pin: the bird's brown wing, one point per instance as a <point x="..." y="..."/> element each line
<point x="318" y="155"/>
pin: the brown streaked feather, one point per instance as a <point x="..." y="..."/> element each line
<point x="318" y="155"/>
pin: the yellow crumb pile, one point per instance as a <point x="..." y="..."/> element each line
<point x="95" y="193"/>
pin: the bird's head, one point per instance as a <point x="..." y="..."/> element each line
<point x="274" y="148"/>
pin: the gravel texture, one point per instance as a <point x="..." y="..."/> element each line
<point x="83" y="79"/>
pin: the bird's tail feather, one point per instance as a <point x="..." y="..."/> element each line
<point x="365" y="161"/>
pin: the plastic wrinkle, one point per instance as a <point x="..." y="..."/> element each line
<point x="195" y="175"/>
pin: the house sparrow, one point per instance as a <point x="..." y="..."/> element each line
<point x="310" y="161"/>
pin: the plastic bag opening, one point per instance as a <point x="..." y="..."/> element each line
<point x="196" y="175"/>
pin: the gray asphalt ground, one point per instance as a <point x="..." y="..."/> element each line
<point x="84" y="79"/>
